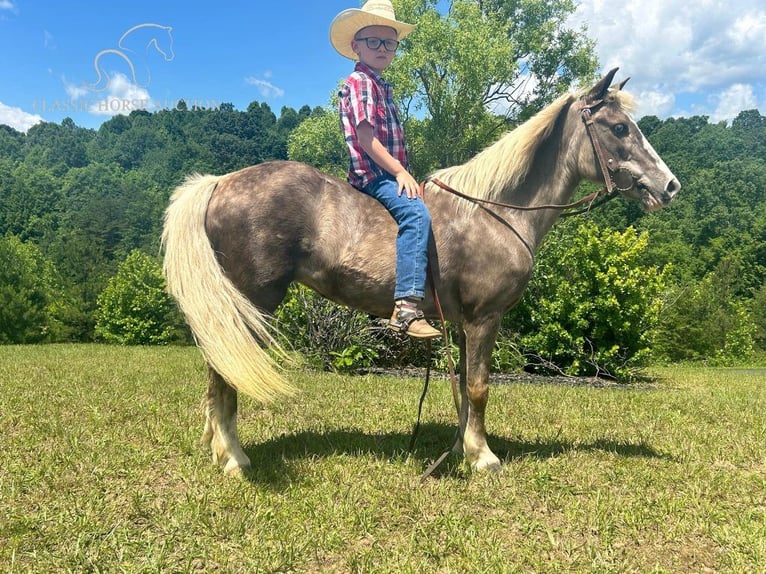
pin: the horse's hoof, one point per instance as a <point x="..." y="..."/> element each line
<point x="235" y="470"/>
<point x="488" y="465"/>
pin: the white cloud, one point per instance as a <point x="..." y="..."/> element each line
<point x="121" y="96"/>
<point x="73" y="91"/>
<point x="49" y="41"/>
<point x="654" y="103"/>
<point x="265" y="88"/>
<point x="737" y="98"/>
<point x="7" y="5"/>
<point x="675" y="47"/>
<point x="748" y="31"/>
<point x="17" y="118"/>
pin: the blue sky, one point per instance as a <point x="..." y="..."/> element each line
<point x="706" y="57"/>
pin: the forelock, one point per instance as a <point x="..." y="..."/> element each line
<point x="624" y="100"/>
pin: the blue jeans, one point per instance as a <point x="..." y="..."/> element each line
<point x="412" y="241"/>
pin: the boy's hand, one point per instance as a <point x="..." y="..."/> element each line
<point x="380" y="156"/>
<point x="408" y="184"/>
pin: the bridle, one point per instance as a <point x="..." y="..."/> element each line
<point x="613" y="179"/>
<point x="610" y="175"/>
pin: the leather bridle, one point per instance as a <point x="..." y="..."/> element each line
<point x="610" y="175"/>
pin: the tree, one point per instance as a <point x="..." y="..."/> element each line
<point x="758" y="313"/>
<point x="708" y="319"/>
<point x="31" y="301"/>
<point x="318" y="141"/>
<point x="62" y="146"/>
<point x="134" y="308"/>
<point x="11" y="142"/>
<point x="28" y="196"/>
<point x="749" y="120"/>
<point x="480" y="66"/>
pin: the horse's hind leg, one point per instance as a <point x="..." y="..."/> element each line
<point x="220" y="433"/>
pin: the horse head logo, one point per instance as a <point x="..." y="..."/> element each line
<point x="132" y="50"/>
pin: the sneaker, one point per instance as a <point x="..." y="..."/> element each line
<point x="406" y="318"/>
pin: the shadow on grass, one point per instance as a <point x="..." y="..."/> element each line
<point x="270" y="459"/>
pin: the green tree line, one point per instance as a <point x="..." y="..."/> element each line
<point x="688" y="282"/>
<point x="78" y="201"/>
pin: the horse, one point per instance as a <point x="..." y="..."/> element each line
<point x="234" y="243"/>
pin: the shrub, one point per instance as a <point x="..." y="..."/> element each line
<point x="758" y="313"/>
<point x="591" y="306"/>
<point x="135" y="309"/>
<point x="708" y="321"/>
<point x="334" y="337"/>
<point x="329" y="336"/>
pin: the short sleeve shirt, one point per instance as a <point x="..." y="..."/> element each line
<point x="367" y="96"/>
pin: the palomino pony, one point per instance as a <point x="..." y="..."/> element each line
<point x="234" y="243"/>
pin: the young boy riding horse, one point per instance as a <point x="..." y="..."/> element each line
<point x="375" y="140"/>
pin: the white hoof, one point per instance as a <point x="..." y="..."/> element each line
<point x="234" y="469"/>
<point x="487" y="464"/>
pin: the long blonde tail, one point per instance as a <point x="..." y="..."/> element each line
<point x="229" y="330"/>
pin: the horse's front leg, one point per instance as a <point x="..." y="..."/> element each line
<point x="477" y="341"/>
<point x="220" y="433"/>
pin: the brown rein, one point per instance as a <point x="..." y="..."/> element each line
<point x="586" y="112"/>
<point x="588" y="199"/>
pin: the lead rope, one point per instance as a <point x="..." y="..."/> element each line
<point x="453" y="381"/>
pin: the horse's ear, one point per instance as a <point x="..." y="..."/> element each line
<point x="598" y="92"/>
<point x="621" y="85"/>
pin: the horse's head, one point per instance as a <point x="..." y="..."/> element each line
<point x="619" y="153"/>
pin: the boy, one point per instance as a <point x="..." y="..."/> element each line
<point x="379" y="166"/>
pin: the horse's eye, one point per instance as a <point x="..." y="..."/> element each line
<point x="620" y="130"/>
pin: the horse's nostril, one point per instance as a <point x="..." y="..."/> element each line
<point x="673" y="187"/>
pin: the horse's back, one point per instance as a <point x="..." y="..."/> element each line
<point x="278" y="222"/>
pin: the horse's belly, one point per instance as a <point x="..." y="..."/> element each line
<point x="357" y="279"/>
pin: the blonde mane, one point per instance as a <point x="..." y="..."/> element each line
<point x="504" y="164"/>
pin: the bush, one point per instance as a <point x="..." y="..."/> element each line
<point x="329" y="336"/>
<point x="334" y="337"/>
<point x="708" y="320"/>
<point x="591" y="307"/>
<point x="758" y="313"/>
<point x="135" y="309"/>
<point x="317" y="141"/>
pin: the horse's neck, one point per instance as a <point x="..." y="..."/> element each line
<point x="551" y="179"/>
<point x="537" y="164"/>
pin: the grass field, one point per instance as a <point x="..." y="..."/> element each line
<point x="101" y="471"/>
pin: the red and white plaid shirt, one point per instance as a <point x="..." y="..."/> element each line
<point x="367" y="96"/>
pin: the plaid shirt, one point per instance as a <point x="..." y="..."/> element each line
<point x="367" y="96"/>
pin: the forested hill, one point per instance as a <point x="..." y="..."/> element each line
<point x="80" y="200"/>
<point x="720" y="215"/>
<point x="713" y="236"/>
<point x="86" y="198"/>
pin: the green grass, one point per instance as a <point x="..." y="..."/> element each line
<point x="101" y="471"/>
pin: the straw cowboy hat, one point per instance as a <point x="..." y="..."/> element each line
<point x="374" y="13"/>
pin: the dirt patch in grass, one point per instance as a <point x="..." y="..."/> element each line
<point x="523" y="378"/>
